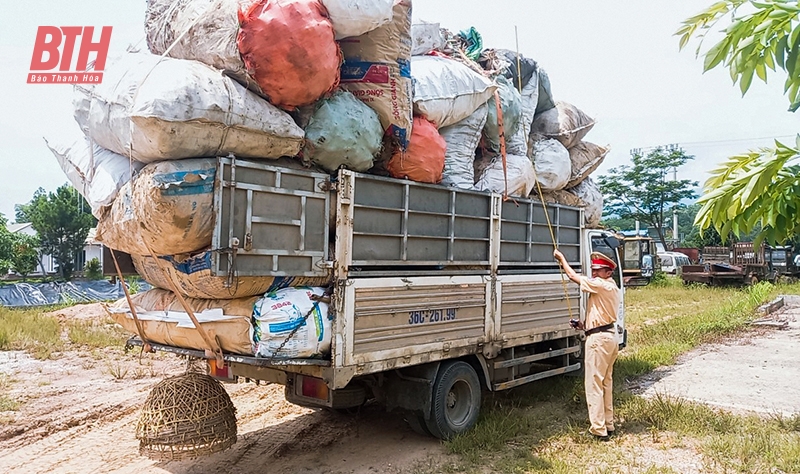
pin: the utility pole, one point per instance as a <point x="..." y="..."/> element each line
<point x="675" y="235"/>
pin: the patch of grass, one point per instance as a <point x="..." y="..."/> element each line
<point x="7" y="403"/>
<point x="680" y="320"/>
<point x="540" y="427"/>
<point x="29" y="330"/>
<point x="95" y="334"/>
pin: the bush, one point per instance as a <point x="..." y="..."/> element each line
<point x="92" y="270"/>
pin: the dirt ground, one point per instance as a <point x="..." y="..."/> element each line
<point x="78" y="413"/>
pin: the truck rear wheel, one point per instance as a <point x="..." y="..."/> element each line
<point x="456" y="400"/>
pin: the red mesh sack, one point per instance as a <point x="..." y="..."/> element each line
<point x="288" y="48"/>
<point x="423" y="160"/>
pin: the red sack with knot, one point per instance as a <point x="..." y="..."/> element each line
<point x="288" y="48"/>
<point x="423" y="160"/>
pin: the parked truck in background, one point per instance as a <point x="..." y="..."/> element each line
<point x="438" y="293"/>
<point x="740" y="264"/>
<point x="639" y="261"/>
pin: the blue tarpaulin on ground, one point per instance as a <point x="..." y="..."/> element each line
<point x="40" y="294"/>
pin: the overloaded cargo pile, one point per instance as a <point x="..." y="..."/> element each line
<point x="326" y="84"/>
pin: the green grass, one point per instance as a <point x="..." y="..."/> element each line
<point x="96" y="334"/>
<point x="42" y="335"/>
<point x="7" y="403"/>
<point x="539" y="428"/>
<point x="29" y="330"/>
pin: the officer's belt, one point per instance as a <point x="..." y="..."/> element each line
<point x="603" y="328"/>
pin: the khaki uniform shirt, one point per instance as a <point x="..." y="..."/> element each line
<point x="603" y="301"/>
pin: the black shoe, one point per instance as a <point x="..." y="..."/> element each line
<point x="611" y="433"/>
<point x="601" y="437"/>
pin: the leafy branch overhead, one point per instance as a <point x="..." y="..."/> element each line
<point x="645" y="191"/>
<point x="764" y="36"/>
<point x="758" y="191"/>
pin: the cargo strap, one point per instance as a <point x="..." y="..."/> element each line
<point x="139" y="328"/>
<point x="212" y="345"/>
<point x="539" y="189"/>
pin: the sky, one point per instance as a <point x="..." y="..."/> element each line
<point x="617" y="60"/>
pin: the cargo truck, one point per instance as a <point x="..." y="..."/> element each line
<point x="438" y="293"/>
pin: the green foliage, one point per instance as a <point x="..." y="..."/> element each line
<point x="25" y="254"/>
<point x="644" y="191"/>
<point x="765" y="36"/>
<point x="62" y="220"/>
<point x="618" y="223"/>
<point x="6" y="246"/>
<point x="93" y="270"/>
<point x="757" y="190"/>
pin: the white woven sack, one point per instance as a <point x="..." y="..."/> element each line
<point x="203" y="30"/>
<point x="151" y="109"/>
<point x="425" y="37"/>
<point x="356" y="17"/>
<point x="279" y="313"/>
<point x="552" y="164"/>
<point x="518" y="143"/>
<point x="590" y="193"/>
<point x="97" y="173"/>
<point x="520" y="176"/>
<point x="446" y="91"/>
<point x="462" y="139"/>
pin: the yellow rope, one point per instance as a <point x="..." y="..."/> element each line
<point x="541" y="196"/>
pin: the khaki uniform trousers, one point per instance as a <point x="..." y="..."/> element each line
<point x="601" y="352"/>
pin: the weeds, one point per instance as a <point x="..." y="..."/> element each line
<point x="117" y="370"/>
<point x="29" y="330"/>
<point x="95" y="334"/>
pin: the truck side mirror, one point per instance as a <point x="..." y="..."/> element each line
<point x="612" y="241"/>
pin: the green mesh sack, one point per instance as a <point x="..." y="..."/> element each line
<point x="511" y="104"/>
<point x="343" y="133"/>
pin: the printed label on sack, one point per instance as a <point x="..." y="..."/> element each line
<point x="52" y="64"/>
<point x="364" y="72"/>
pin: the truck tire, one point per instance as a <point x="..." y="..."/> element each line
<point x="456" y="400"/>
<point x="417" y="423"/>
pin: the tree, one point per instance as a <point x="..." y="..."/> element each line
<point x="645" y="190"/>
<point x="62" y="220"/>
<point x="757" y="191"/>
<point x="5" y="246"/>
<point x="24" y="254"/>
<point x="617" y="223"/>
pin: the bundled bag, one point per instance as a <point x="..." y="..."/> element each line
<point x="193" y="278"/>
<point x="523" y="74"/>
<point x="511" y="106"/>
<point x="462" y="139"/>
<point x="545" y="99"/>
<point x="167" y="208"/>
<point x="289" y="50"/>
<point x="588" y="192"/>
<point x="279" y="313"/>
<point x="356" y="17"/>
<point x="585" y="158"/>
<point x="426" y="37"/>
<point x="97" y="173"/>
<point x="203" y="30"/>
<point x="561" y="197"/>
<point x="520" y="176"/>
<point x="446" y="91"/>
<point x="552" y="165"/>
<point x="566" y="123"/>
<point x="377" y="70"/>
<point x="343" y="133"/>
<point x="165" y="321"/>
<point x="423" y="161"/>
<point x="150" y="109"/>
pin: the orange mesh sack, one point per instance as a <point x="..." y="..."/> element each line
<point x="423" y="160"/>
<point x="288" y="48"/>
